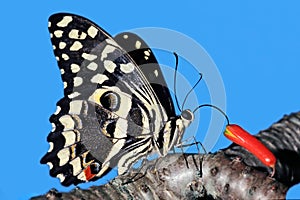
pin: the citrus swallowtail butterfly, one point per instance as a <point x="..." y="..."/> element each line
<point x="116" y="106"/>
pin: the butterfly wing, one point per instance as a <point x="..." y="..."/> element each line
<point x="141" y="53"/>
<point x="109" y="111"/>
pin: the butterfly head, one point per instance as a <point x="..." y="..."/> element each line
<point x="187" y="117"/>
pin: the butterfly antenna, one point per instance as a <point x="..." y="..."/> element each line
<point x="186" y="96"/>
<point x="175" y="80"/>
<point x="215" y="107"/>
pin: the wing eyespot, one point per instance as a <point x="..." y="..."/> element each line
<point x="95" y="168"/>
<point x="110" y="100"/>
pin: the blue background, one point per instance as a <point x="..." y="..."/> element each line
<point x="256" y="46"/>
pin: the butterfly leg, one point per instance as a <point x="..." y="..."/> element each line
<point x="136" y="176"/>
<point x="201" y="157"/>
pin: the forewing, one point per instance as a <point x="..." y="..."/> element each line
<point x="143" y="56"/>
<point x="108" y="108"/>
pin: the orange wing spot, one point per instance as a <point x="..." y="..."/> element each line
<point x="88" y="173"/>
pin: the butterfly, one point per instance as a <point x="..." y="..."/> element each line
<point x="116" y="107"/>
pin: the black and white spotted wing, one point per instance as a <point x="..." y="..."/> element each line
<point x="109" y="115"/>
<point x="145" y="59"/>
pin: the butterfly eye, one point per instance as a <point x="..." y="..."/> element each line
<point x="110" y="101"/>
<point x="187" y="115"/>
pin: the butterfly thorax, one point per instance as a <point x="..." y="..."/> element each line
<point x="172" y="132"/>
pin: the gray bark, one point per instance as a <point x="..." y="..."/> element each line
<point x="231" y="173"/>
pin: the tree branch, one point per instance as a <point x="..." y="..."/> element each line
<point x="231" y="173"/>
